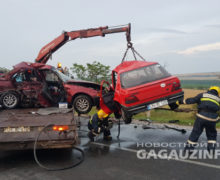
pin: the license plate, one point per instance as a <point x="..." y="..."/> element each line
<point x="157" y="104"/>
<point x="16" y="129"/>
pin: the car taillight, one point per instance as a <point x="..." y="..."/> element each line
<point x="131" y="99"/>
<point x="176" y="86"/>
<point x="60" y="128"/>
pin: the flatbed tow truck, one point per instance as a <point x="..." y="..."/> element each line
<point x="49" y="128"/>
<point x="23" y="128"/>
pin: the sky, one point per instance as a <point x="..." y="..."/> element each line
<point x="183" y="36"/>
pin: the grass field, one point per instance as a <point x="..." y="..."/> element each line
<point x="199" y="84"/>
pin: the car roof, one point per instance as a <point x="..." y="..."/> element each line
<point x="131" y="65"/>
<point x="31" y="65"/>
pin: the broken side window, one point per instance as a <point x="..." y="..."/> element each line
<point x="19" y="77"/>
<point x="51" y="76"/>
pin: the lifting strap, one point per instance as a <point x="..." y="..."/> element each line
<point x="134" y="52"/>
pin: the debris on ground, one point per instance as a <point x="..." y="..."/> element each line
<point x="183" y="131"/>
<point x="147" y="126"/>
<point x="174" y="121"/>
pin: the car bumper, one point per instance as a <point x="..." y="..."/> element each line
<point x="144" y="107"/>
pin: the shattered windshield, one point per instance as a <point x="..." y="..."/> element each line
<point x="143" y="75"/>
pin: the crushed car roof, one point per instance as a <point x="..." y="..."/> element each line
<point x="31" y="65"/>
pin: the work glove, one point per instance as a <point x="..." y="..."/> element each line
<point x="110" y="124"/>
<point x="98" y="130"/>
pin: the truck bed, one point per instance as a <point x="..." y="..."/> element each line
<point x="20" y="127"/>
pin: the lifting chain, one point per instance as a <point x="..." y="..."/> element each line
<point x="134" y="52"/>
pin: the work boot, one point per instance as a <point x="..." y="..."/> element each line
<point x="211" y="148"/>
<point x="107" y="138"/>
<point x="91" y="136"/>
<point x="189" y="148"/>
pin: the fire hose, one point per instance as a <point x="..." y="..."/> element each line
<point x="55" y="169"/>
<point x="119" y="128"/>
<point x="75" y="148"/>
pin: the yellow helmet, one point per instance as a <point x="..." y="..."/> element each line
<point x="215" y="88"/>
<point x="59" y="65"/>
<point x="102" y="114"/>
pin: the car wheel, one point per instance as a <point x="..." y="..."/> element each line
<point x="126" y="117"/>
<point x="82" y="104"/>
<point x="173" y="106"/>
<point x="9" y="100"/>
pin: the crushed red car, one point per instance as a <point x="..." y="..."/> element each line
<point x="41" y="85"/>
<point x="140" y="86"/>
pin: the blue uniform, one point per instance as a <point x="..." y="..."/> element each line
<point x="207" y="116"/>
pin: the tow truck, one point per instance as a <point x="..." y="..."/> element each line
<point x="19" y="127"/>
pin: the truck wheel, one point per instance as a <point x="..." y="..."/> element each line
<point x="9" y="100"/>
<point x="173" y="106"/>
<point x="82" y="104"/>
<point x="126" y="117"/>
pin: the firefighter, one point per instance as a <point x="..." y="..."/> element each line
<point x="59" y="67"/>
<point x="206" y="118"/>
<point x="99" y="123"/>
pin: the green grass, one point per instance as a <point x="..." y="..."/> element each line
<point x="164" y="116"/>
<point x="199" y="84"/>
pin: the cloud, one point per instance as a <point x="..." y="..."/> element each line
<point x="213" y="26"/>
<point x="165" y="30"/>
<point x="201" y="48"/>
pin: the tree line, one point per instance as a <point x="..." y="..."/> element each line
<point x="95" y="72"/>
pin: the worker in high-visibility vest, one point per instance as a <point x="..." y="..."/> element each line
<point x="100" y="121"/>
<point x="206" y="118"/>
<point x="59" y="67"/>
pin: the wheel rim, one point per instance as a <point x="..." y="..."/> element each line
<point x="10" y="100"/>
<point x="82" y="104"/>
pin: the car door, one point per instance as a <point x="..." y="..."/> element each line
<point x="54" y="91"/>
<point x="27" y="83"/>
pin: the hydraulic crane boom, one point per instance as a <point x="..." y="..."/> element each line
<point x="54" y="45"/>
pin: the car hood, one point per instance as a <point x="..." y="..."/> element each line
<point x="87" y="84"/>
<point x="3" y="78"/>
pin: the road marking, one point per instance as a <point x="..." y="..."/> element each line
<point x="181" y="160"/>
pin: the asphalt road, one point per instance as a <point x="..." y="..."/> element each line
<point x="114" y="160"/>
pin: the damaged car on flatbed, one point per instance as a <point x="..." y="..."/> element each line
<point x="41" y="85"/>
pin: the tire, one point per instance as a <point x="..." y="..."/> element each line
<point x="82" y="104"/>
<point x="9" y="100"/>
<point x="173" y="106"/>
<point x="126" y="117"/>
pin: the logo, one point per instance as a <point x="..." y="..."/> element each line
<point x="163" y="85"/>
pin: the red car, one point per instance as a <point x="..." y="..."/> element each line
<point x="140" y="86"/>
<point x="41" y="85"/>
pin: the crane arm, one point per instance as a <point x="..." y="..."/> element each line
<point x="54" y="45"/>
